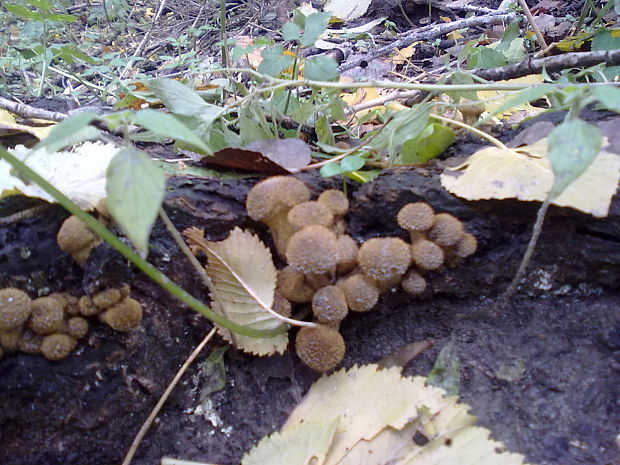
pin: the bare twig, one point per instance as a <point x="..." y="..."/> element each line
<point x="162" y="400"/>
<point x="530" y="18"/>
<point x="427" y="33"/>
<point x="27" y="111"/>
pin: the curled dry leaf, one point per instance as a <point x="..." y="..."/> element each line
<point x="244" y="280"/>
<point x="525" y="174"/>
<point x="377" y="413"/>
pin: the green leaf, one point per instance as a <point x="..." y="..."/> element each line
<point x="520" y="98"/>
<point x="352" y="163"/>
<point x="314" y="26"/>
<point x="61" y="18"/>
<point x="302" y="114"/>
<point x="406" y="125"/>
<point x="608" y="97"/>
<point x="68" y="51"/>
<point x="324" y="131"/>
<point x="460" y="78"/>
<point x="291" y="31"/>
<point x="168" y="126"/>
<point x="321" y="68"/>
<point x="485" y="57"/>
<point x="71" y="131"/>
<point x="180" y="99"/>
<point x="573" y="145"/>
<point x="41" y="4"/>
<point x="274" y="61"/>
<point x="331" y="169"/>
<point x="446" y="370"/>
<point x="135" y="190"/>
<point x="25" y="13"/>
<point x="432" y="142"/>
<point x="606" y="39"/>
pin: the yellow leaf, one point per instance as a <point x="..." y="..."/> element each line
<point x="526" y="174"/>
<point x="8" y="125"/>
<point x="494" y="99"/>
<point x="404" y="54"/>
<point x="244" y="279"/>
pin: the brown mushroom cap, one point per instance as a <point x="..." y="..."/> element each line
<point x="76" y="327"/>
<point x="427" y="255"/>
<point x="310" y="212"/>
<point x="293" y="286"/>
<point x="47" y="315"/>
<point x="107" y="298"/>
<point x="360" y="292"/>
<point x="76" y="239"/>
<point x="123" y="316"/>
<point x="313" y="250"/>
<point x="87" y="307"/>
<point x="418" y="217"/>
<point x="9" y="339"/>
<point x="329" y="305"/>
<point x="384" y="258"/>
<point x="15" y="308"/>
<point x="57" y="346"/>
<point x="413" y="282"/>
<point x="466" y="246"/>
<point x="347" y="254"/>
<point x="30" y="342"/>
<point x="446" y="230"/>
<point x="335" y="200"/>
<point x="281" y="305"/>
<point x="321" y="348"/>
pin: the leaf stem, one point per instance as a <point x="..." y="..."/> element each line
<point x="148" y="269"/>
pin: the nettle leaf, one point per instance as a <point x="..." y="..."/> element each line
<point x="180" y="99"/>
<point x="377" y="412"/>
<point x="324" y="131"/>
<point x="135" y="190"/>
<point x="485" y="57"/>
<point x="608" y="96"/>
<point x="406" y="124"/>
<point x="291" y="31"/>
<point x="314" y="26"/>
<point x="71" y="131"/>
<point x="168" y="126"/>
<point x="244" y="279"/>
<point x="573" y="145"/>
<point x="321" y="68"/>
<point x="274" y="61"/>
<point x="25" y="13"/>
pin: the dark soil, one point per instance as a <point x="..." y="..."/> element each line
<point x="542" y="372"/>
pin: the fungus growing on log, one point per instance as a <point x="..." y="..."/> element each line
<point x="57" y="346"/>
<point x="123" y="316"/>
<point x="76" y="239"/>
<point x="329" y="305"/>
<point x="293" y="286"/>
<point x="416" y="218"/>
<point x="427" y="255"/>
<point x="320" y="348"/>
<point x="47" y="315"/>
<point x="413" y="282"/>
<point x="446" y="230"/>
<point x="347" y="254"/>
<point x="308" y="213"/>
<point x="360" y="291"/>
<point x="385" y="260"/>
<point x="313" y="251"/>
<point x="269" y="202"/>
<point x="15" y="308"/>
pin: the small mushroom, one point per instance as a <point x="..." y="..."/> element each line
<point x="269" y="202"/>
<point x="313" y="251"/>
<point x="417" y="218"/>
<point x="427" y="255"/>
<point x="15" y="308"/>
<point x="57" y="346"/>
<point x="329" y="305"/>
<point x="385" y="260"/>
<point x="9" y="339"/>
<point x="446" y="230"/>
<point x="413" y="282"/>
<point x="76" y="239"/>
<point x="107" y="298"/>
<point x="293" y="286"/>
<point x="360" y="291"/>
<point x="281" y="305"/>
<point x="87" y="307"/>
<point x="124" y="316"/>
<point x="347" y="254"/>
<point x="310" y="212"/>
<point x="47" y="315"/>
<point x="338" y="203"/>
<point x="320" y="348"/>
<point x="76" y="327"/>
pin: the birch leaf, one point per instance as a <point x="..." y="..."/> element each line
<point x="244" y="280"/>
<point x="383" y="417"/>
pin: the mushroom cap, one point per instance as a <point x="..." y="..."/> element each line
<point x="360" y="292"/>
<point x="320" y="348"/>
<point x="47" y="315"/>
<point x="293" y="286"/>
<point x="313" y="250"/>
<point x="9" y="339"/>
<point x="76" y="327"/>
<point x="76" y="239"/>
<point x="335" y="200"/>
<point x="281" y="305"/>
<point x="427" y="255"/>
<point x="107" y="298"/>
<point x="310" y="212"/>
<point x="329" y="305"/>
<point x="446" y="230"/>
<point x="384" y="258"/>
<point x="87" y="307"/>
<point x="413" y="282"/>
<point x="347" y="254"/>
<point x="275" y="195"/>
<point x="69" y="302"/>
<point x="123" y="316"/>
<point x="466" y="246"/>
<point x="57" y="346"/>
<point x="30" y="342"/>
<point x="418" y="216"/>
<point x="15" y="308"/>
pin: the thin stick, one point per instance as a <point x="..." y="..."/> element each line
<point x="498" y="143"/>
<point x="162" y="400"/>
<point x="530" y="17"/>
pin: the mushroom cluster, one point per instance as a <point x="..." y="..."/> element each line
<point x="326" y="268"/>
<point x="52" y="325"/>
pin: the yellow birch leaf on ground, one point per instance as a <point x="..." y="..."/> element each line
<point x="79" y="173"/>
<point x="8" y="125"/>
<point x="404" y="54"/>
<point x="299" y="445"/>
<point x="385" y="418"/>
<point x="244" y="277"/>
<point x="493" y="99"/>
<point x="525" y="174"/>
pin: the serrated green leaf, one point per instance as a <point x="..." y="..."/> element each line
<point x="314" y="26"/>
<point x="605" y="39"/>
<point x="168" y="126"/>
<point x="324" y="131"/>
<point x="291" y="31"/>
<point x="352" y="163"/>
<point x="274" y="61"/>
<point x="180" y="99"/>
<point x="61" y="18"/>
<point x="573" y="145"/>
<point x="25" y="13"/>
<point x="135" y="190"/>
<point x="71" y="131"/>
<point x="321" y="68"/>
<point x="485" y="57"/>
<point x="608" y="97"/>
